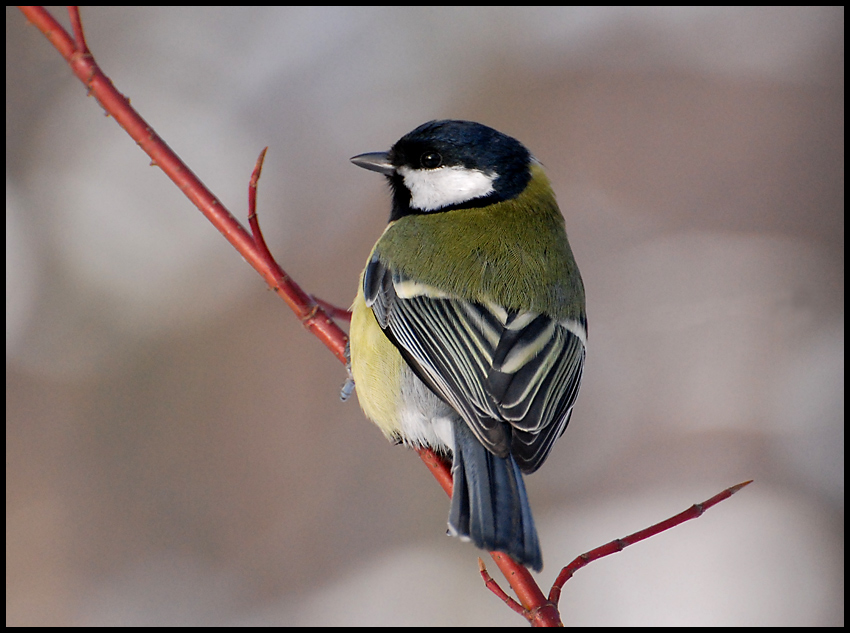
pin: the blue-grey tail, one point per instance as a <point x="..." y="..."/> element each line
<point x="489" y="502"/>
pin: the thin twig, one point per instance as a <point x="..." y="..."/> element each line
<point x="618" y="545"/>
<point x="82" y="63"/>
<point x="493" y="586"/>
<point x="253" y="221"/>
<point x="535" y="606"/>
<point x="77" y="26"/>
<point x="263" y="248"/>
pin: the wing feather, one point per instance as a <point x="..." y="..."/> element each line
<point x="513" y="376"/>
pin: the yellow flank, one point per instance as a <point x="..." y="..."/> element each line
<point x="376" y="365"/>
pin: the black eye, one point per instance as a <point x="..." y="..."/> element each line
<point x="431" y="160"/>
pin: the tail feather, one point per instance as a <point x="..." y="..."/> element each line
<point x="489" y="503"/>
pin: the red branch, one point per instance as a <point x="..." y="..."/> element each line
<point x="82" y="63"/>
<point x="534" y="605"/>
<point x="493" y="586"/>
<point x="618" y="545"/>
<point x="314" y="313"/>
<point x="544" y="612"/>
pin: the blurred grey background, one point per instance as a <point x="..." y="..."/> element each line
<point x="176" y="451"/>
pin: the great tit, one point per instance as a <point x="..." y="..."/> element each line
<point x="468" y="332"/>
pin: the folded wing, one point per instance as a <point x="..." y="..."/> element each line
<point x="513" y="376"/>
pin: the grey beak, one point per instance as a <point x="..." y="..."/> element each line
<point x="375" y="161"/>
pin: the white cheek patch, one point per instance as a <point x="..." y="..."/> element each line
<point x="433" y="189"/>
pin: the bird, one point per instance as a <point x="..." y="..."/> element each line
<point x="468" y="332"/>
